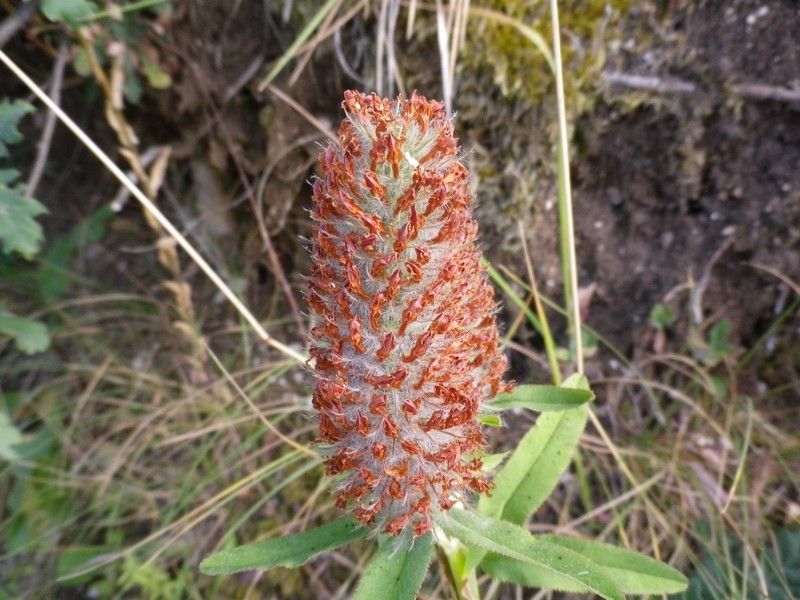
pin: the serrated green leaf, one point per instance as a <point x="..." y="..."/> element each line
<point x="10" y="115"/>
<point x="396" y="573"/>
<point x="67" y="10"/>
<point x="535" y="467"/>
<point x="288" y="551"/>
<point x="507" y="539"/>
<point x="541" y="398"/>
<point x="633" y="573"/>
<point x="19" y="232"/>
<point x="9" y="437"/>
<point x="29" y="336"/>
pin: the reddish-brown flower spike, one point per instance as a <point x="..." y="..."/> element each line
<point x="405" y="342"/>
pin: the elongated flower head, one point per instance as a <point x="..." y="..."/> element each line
<point x="405" y="342"/>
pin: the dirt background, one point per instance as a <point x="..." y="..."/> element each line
<point x="686" y="160"/>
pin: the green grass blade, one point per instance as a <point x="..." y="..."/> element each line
<point x="507" y="539"/>
<point x="396" y="573"/>
<point x="301" y="39"/>
<point x="541" y="398"/>
<point x="289" y="551"/>
<point x="538" y="322"/>
<point x="566" y="220"/>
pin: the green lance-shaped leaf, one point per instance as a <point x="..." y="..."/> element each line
<point x="534" y="469"/>
<point x="633" y="573"/>
<point x="512" y="541"/>
<point x="541" y="398"/>
<point x="508" y="570"/>
<point x="396" y="572"/>
<point x="288" y="551"/>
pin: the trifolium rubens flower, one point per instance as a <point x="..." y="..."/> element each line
<point x="405" y="343"/>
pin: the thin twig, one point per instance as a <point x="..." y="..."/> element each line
<point x="759" y="91"/>
<point x="50" y="125"/>
<point x="669" y="85"/>
<point x="650" y="83"/>
<point x="312" y="44"/>
<point x="702" y="283"/>
<point x="444" y="58"/>
<point x="17" y="21"/>
<point x="269" y="247"/>
<point x="153" y="210"/>
<point x="333" y="29"/>
<point x="283" y="96"/>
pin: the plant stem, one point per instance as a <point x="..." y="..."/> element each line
<point x="565" y="196"/>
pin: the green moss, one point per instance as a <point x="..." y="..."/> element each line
<point x="520" y="70"/>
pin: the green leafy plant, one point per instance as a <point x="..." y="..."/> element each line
<point x="718" y="342"/>
<point x="406" y="351"/>
<point x="491" y="536"/>
<point x="20" y="233"/>
<point x="662" y="316"/>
